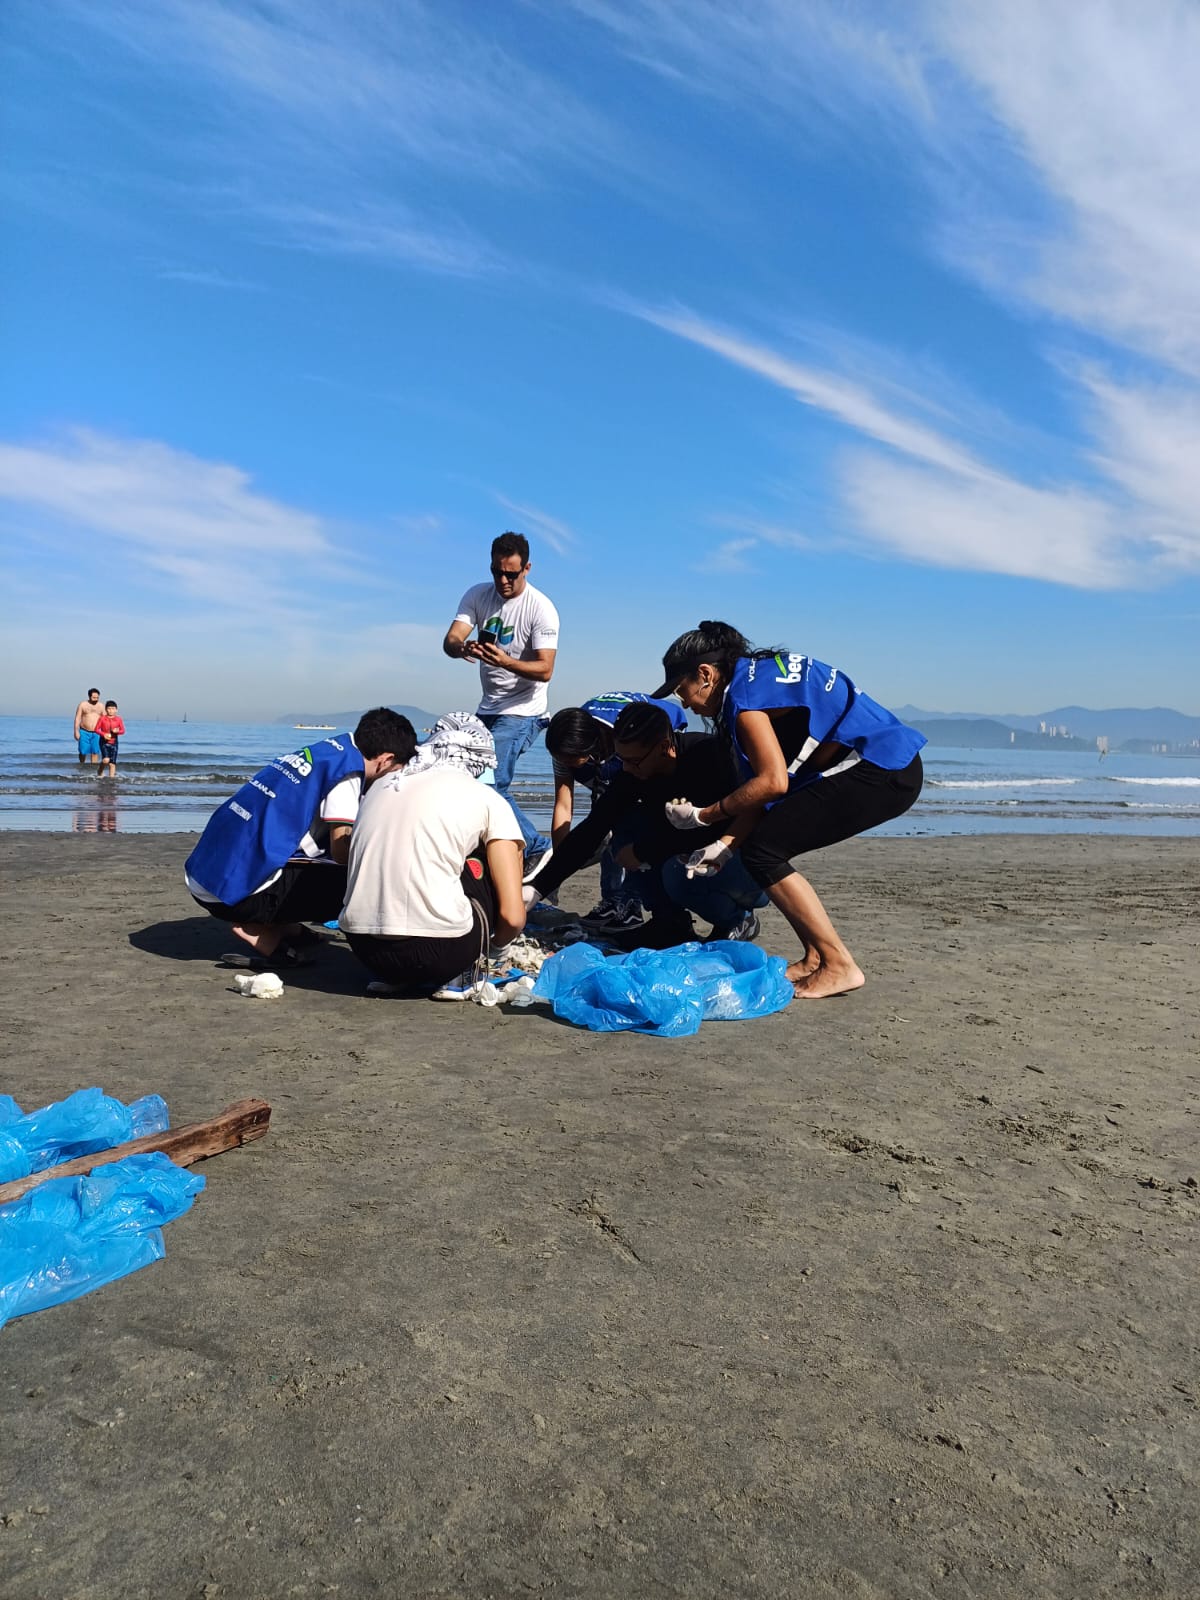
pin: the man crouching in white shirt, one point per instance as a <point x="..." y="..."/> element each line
<point x="434" y="878"/>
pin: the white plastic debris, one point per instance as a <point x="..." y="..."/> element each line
<point x="259" y="985"/>
<point x="520" y="994"/>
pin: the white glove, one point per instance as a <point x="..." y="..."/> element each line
<point x="530" y="895"/>
<point x="709" y="861"/>
<point x="683" y="814"/>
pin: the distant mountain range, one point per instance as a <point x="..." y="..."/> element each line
<point x="1074" y="727"/>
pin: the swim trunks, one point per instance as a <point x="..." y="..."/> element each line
<point x="89" y="742"/>
<point x="108" y="750"/>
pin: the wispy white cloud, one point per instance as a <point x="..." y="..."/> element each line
<point x="206" y="278"/>
<point x="1095" y="105"/>
<point x="561" y="538"/>
<point x="933" y="501"/>
<point x="335" y="128"/>
<point x="997" y="524"/>
<point x="818" y="63"/>
<point x="197" y="533"/>
<point x="386" y="231"/>
<point x="825" y="391"/>
<point x="182" y="554"/>
<point x="1054" y="138"/>
<point x="151" y="495"/>
<point x="751" y="533"/>
<point x="1146" y="442"/>
<point x="759" y="531"/>
<point x="729" y="557"/>
<point x="1055" y="142"/>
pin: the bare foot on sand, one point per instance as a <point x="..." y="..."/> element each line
<point x="804" y="968"/>
<point x="263" y="938"/>
<point x="830" y="980"/>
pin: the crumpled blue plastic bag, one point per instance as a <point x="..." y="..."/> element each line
<point x="84" y="1122"/>
<point x="665" y="992"/>
<point x="71" y="1235"/>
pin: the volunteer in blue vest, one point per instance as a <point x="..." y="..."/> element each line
<point x="273" y="856"/>
<point x="580" y="742"/>
<point x="515" y="648"/>
<point x="658" y="761"/>
<point x="820" y="761"/>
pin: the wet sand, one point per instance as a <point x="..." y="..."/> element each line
<point x="889" y="1296"/>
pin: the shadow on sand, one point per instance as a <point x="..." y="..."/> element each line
<point x="205" y="939"/>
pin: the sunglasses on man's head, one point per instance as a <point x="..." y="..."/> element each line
<point x="500" y="574"/>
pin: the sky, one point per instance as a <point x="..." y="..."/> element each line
<point x="872" y="329"/>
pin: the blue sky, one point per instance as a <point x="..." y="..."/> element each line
<point x="873" y="330"/>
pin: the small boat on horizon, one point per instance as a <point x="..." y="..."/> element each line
<point x="312" y="727"/>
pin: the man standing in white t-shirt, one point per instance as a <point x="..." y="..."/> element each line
<point x="515" y="647"/>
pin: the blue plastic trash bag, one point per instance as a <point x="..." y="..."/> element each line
<point x="9" y="1110"/>
<point x="71" y="1235"/>
<point x="666" y="992"/>
<point x="84" y="1122"/>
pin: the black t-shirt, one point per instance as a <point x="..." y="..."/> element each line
<point x="703" y="772"/>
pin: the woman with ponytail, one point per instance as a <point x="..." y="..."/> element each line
<point x="820" y="762"/>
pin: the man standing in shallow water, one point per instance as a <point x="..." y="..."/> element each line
<point x="87" y="714"/>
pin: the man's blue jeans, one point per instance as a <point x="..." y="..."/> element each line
<point x="724" y="899"/>
<point x="512" y="737"/>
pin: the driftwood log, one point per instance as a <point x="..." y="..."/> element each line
<point x="237" y="1124"/>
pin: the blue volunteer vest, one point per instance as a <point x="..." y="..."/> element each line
<point x="837" y="711"/>
<point x="607" y="708"/>
<point x="254" y="833"/>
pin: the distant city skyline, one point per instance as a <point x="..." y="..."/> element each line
<point x="872" y="330"/>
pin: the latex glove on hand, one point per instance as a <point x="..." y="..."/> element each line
<point x="530" y="895"/>
<point x="709" y="861"/>
<point x="683" y="814"/>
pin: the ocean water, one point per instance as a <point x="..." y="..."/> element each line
<point x="173" y="774"/>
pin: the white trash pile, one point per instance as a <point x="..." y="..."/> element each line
<point x="259" y="985"/>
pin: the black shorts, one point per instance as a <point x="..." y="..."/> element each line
<point x="421" y="963"/>
<point x="108" y="750"/>
<point x="303" y="892"/>
<point x="826" y="812"/>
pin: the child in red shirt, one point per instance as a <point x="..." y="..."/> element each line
<point x="109" y="727"/>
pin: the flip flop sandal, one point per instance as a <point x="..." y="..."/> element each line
<point x="285" y="956"/>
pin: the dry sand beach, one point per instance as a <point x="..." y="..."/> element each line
<point x="886" y="1296"/>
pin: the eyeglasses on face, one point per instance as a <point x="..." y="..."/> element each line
<point x="635" y="763"/>
<point x="507" y="575"/>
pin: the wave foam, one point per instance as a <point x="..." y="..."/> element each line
<point x="1171" y="783"/>
<point x="1001" y="783"/>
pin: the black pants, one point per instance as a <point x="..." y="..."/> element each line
<point x="826" y="812"/>
<point x="421" y="963"/>
<point x="303" y="892"/>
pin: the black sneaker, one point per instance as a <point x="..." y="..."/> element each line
<point x="535" y="863"/>
<point x="613" y="916"/>
<point x="748" y="928"/>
